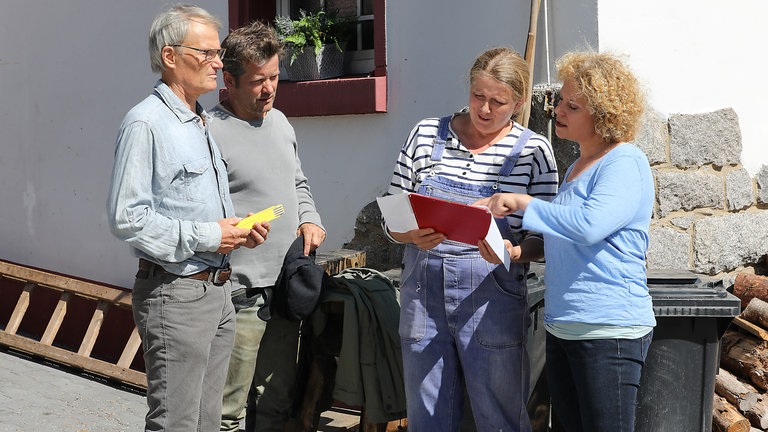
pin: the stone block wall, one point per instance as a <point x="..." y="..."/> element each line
<point x="710" y="215"/>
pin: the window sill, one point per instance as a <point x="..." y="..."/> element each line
<point x="339" y="96"/>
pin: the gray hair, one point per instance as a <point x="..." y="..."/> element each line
<point x="171" y="27"/>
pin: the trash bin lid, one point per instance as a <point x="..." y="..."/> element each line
<point x="673" y="277"/>
<point x="684" y="293"/>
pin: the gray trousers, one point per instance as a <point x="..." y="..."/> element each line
<point x="187" y="329"/>
<point x="262" y="373"/>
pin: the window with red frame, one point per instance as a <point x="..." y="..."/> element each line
<point x="363" y="88"/>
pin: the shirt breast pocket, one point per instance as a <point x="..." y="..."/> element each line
<point x="195" y="179"/>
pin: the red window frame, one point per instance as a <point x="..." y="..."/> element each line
<point x="337" y="96"/>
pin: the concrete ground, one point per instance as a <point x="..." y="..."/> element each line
<point x="36" y="395"/>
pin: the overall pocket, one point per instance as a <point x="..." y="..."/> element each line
<point x="413" y="295"/>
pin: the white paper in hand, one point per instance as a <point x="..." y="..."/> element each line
<point x="396" y="210"/>
<point x="496" y="241"/>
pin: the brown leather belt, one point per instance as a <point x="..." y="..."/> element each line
<point x="217" y="276"/>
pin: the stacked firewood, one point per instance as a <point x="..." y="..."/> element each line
<point x="741" y="386"/>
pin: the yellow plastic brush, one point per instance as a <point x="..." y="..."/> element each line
<point x="266" y="215"/>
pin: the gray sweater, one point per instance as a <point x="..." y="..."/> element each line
<point x="264" y="170"/>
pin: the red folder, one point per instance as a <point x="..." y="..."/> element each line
<point x="459" y="222"/>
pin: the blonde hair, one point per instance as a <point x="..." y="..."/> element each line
<point x="506" y="66"/>
<point x="613" y="94"/>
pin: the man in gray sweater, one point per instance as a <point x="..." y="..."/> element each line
<point x="259" y="148"/>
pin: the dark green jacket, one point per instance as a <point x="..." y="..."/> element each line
<point x="370" y="367"/>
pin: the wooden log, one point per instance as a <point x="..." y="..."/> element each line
<point x="756" y="312"/>
<point x="740" y="394"/>
<point x="749" y="286"/>
<point x="751" y="328"/>
<point x="726" y="418"/>
<point x="745" y="356"/>
<point x="758" y="414"/>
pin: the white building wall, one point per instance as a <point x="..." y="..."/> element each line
<point x="697" y="56"/>
<point x="70" y="70"/>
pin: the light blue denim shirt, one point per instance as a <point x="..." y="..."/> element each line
<point x="169" y="185"/>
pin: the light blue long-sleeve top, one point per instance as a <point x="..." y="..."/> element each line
<point x="169" y="185"/>
<point x="595" y="240"/>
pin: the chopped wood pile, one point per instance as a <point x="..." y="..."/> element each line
<point x="741" y="386"/>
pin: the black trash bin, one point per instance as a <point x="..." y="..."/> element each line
<point x="678" y="381"/>
<point x="538" y="402"/>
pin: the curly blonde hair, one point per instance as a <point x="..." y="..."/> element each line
<point x="614" y="97"/>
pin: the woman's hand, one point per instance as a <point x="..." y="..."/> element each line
<point x="490" y="256"/>
<point x="503" y="204"/>
<point x="425" y="238"/>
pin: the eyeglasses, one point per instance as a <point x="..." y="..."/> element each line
<point x="209" y="54"/>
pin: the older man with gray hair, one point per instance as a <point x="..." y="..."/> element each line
<point x="169" y="200"/>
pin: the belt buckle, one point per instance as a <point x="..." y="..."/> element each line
<point x="220" y="275"/>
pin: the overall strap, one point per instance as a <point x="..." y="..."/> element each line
<point x="438" y="144"/>
<point x="511" y="159"/>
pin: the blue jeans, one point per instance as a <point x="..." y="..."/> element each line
<point x="593" y="383"/>
<point x="187" y="328"/>
<point x="463" y="321"/>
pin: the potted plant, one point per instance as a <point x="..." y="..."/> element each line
<point x="314" y="44"/>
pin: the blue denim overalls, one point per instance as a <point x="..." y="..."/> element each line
<point x="464" y="321"/>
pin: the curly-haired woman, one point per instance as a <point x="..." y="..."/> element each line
<point x="598" y="312"/>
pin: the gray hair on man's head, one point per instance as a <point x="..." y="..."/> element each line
<point x="171" y="27"/>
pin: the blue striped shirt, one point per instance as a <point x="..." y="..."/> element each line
<point x="535" y="172"/>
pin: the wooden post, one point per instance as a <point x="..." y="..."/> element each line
<point x="530" y="55"/>
<point x="56" y="319"/>
<point x="20" y="309"/>
<point x="89" y="340"/>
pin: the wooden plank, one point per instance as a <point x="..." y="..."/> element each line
<point x="86" y="346"/>
<point x="337" y="260"/>
<point x="751" y="328"/>
<point x="56" y="319"/>
<point x="21" y="308"/>
<point x="131" y="347"/>
<point x="63" y="283"/>
<point x="99" y="367"/>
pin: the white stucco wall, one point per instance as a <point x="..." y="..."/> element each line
<point x="697" y="56"/>
<point x="68" y="76"/>
<point x="69" y="71"/>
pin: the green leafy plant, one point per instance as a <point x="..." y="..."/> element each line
<point x="313" y="29"/>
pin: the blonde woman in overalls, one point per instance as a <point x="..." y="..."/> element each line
<point x="463" y="320"/>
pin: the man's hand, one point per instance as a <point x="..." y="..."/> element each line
<point x="313" y="236"/>
<point x="232" y="237"/>
<point x="258" y="234"/>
